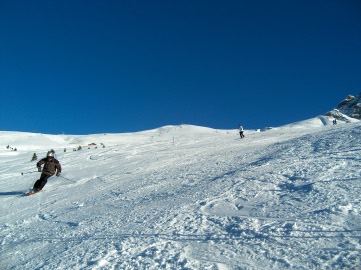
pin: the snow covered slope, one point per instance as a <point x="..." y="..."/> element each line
<point x="186" y="197"/>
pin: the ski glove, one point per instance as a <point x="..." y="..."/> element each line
<point x="58" y="174"/>
<point x="39" y="169"/>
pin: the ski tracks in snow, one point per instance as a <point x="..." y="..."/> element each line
<point x="197" y="203"/>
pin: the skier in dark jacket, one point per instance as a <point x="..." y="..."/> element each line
<point x="51" y="166"/>
<point x="241" y="130"/>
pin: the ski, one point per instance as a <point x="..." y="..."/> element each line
<point x="29" y="193"/>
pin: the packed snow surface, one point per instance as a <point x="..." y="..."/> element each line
<point x="186" y="197"/>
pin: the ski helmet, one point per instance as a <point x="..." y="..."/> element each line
<point x="50" y="154"/>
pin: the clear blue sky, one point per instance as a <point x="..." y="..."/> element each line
<point x="83" y="67"/>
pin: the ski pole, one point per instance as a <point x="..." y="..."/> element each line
<point x="67" y="179"/>
<point x="28" y="172"/>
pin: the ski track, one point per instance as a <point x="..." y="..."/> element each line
<point x="281" y="201"/>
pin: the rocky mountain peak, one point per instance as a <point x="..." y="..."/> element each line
<point x="349" y="107"/>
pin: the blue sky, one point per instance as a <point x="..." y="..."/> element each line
<point x="83" y="67"/>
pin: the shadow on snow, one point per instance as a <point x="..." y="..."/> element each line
<point x="11" y="193"/>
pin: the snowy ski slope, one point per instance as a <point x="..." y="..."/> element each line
<point x="186" y="197"/>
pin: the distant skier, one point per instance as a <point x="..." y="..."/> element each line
<point x="335" y="122"/>
<point x="51" y="166"/>
<point x="241" y="131"/>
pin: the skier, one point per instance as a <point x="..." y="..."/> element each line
<point x="335" y="121"/>
<point x="52" y="151"/>
<point x="51" y="166"/>
<point x="241" y="131"/>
